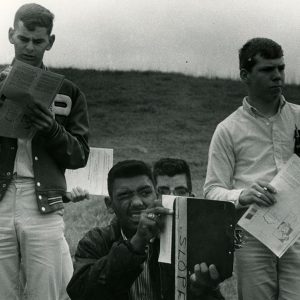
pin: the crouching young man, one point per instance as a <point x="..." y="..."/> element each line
<point x="120" y="261"/>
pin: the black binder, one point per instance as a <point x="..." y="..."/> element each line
<point x="204" y="232"/>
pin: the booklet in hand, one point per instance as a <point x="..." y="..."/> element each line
<point x="23" y="84"/>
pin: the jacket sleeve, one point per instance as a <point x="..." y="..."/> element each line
<point x="68" y="144"/>
<point x="103" y="270"/>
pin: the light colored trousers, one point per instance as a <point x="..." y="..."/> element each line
<point x="261" y="275"/>
<point x="38" y="240"/>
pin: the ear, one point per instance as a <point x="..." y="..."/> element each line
<point x="51" y="42"/>
<point x="109" y="205"/>
<point x="11" y="32"/>
<point x="244" y="75"/>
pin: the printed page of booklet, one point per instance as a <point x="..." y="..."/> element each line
<point x="278" y="226"/>
<point x="23" y="83"/>
<point x="93" y="177"/>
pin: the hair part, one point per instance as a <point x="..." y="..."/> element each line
<point x="127" y="169"/>
<point x="264" y="47"/>
<point x="171" y="167"/>
<point x="33" y="15"/>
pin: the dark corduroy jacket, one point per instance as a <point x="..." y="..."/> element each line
<point x="106" y="267"/>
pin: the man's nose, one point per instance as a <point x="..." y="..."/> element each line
<point x="277" y="74"/>
<point x="136" y="201"/>
<point x="29" y="46"/>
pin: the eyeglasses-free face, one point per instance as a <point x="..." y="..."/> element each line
<point x="131" y="196"/>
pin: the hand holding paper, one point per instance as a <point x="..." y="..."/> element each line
<point x="39" y="116"/>
<point x="278" y="226"/>
<point x="93" y="177"/>
<point x="26" y="94"/>
<point x="150" y="224"/>
<point x="260" y="193"/>
<point x="78" y="194"/>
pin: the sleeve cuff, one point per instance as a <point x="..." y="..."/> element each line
<point x="235" y="195"/>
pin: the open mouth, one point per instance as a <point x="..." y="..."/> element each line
<point x="135" y="216"/>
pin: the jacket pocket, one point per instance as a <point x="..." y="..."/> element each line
<point x="54" y="200"/>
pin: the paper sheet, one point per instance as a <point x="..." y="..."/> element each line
<point x="24" y="80"/>
<point x="93" y="177"/>
<point x="278" y="226"/>
<point x="166" y="234"/>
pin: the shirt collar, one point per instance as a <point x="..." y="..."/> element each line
<point x="255" y="112"/>
<point x="123" y="235"/>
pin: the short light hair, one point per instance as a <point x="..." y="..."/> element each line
<point x="33" y="15"/>
<point x="265" y="47"/>
<point x="171" y="167"/>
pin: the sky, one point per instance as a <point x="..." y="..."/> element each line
<point x="195" y="37"/>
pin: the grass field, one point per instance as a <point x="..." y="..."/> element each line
<point x="149" y="115"/>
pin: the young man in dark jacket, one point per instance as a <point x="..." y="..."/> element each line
<point x="32" y="182"/>
<point x="120" y="261"/>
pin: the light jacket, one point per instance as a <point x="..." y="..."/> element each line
<point x="65" y="146"/>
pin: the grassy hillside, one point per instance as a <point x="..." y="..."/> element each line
<point x="149" y="115"/>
